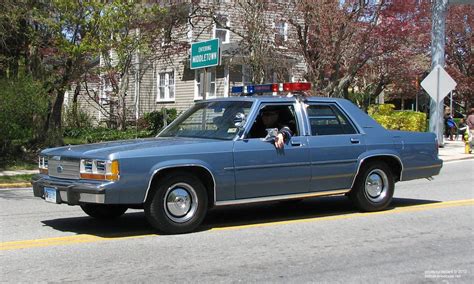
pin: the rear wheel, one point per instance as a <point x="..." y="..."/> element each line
<point x="178" y="204"/>
<point x="103" y="211"/>
<point x="373" y="188"/>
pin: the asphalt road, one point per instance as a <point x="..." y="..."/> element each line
<point x="426" y="236"/>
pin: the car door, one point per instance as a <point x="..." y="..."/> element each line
<point x="335" y="145"/>
<point x="262" y="170"/>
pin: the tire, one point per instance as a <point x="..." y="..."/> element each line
<point x="103" y="211"/>
<point x="373" y="188"/>
<point x="177" y="204"/>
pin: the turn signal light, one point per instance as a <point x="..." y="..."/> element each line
<point x="43" y="165"/>
<point x="99" y="169"/>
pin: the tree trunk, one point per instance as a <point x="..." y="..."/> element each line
<point x="123" y="116"/>
<point x="54" y="135"/>
<point x="77" y="91"/>
<point x="402" y="102"/>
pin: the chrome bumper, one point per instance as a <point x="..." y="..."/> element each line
<point x="72" y="192"/>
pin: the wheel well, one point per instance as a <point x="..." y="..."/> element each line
<point x="392" y="162"/>
<point x="201" y="173"/>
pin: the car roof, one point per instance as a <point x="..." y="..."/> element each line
<point x="271" y="99"/>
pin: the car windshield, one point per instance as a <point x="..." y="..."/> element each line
<point x="212" y="120"/>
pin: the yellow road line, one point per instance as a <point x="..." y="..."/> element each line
<point x="84" y="238"/>
<point x="12" y="185"/>
<point x="413" y="208"/>
<point x="77" y="239"/>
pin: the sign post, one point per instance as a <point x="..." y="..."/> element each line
<point x="205" y="54"/>
<point x="438" y="84"/>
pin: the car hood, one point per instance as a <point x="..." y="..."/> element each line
<point x="104" y="149"/>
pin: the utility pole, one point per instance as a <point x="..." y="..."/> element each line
<point x="451" y="103"/>
<point x="438" y="41"/>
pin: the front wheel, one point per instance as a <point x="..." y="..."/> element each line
<point x="373" y="188"/>
<point x="178" y="204"/>
<point x="103" y="211"/>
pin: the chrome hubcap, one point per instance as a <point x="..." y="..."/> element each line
<point x="180" y="202"/>
<point x="376" y="185"/>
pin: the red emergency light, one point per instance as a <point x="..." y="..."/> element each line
<point x="297" y="86"/>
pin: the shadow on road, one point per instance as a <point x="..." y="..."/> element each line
<point x="134" y="223"/>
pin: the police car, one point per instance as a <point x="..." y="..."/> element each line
<point x="221" y="152"/>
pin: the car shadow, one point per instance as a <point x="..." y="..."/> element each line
<point x="134" y="223"/>
<point x="293" y="210"/>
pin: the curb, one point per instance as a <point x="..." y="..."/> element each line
<point x="15" y="185"/>
<point x="458" y="159"/>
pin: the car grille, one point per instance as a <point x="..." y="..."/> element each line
<point x="63" y="167"/>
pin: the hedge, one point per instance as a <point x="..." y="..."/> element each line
<point x="100" y="134"/>
<point x="147" y="126"/>
<point x="398" y="120"/>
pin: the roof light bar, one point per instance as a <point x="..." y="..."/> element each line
<point x="271" y="88"/>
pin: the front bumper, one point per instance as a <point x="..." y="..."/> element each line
<point x="72" y="192"/>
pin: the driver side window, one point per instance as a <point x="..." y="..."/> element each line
<point x="274" y="116"/>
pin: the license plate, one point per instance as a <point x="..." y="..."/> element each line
<point x="50" y="195"/>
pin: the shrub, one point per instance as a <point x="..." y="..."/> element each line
<point x="153" y="121"/>
<point x="101" y="134"/>
<point x="23" y="109"/>
<point x="75" y="118"/>
<point x="398" y="120"/>
<point x="147" y="126"/>
<point x="383" y="109"/>
<point x="106" y="134"/>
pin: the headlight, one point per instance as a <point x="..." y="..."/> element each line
<point x="43" y="165"/>
<point x="99" y="169"/>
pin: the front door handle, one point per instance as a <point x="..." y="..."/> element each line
<point x="295" y="143"/>
<point x="355" y="141"/>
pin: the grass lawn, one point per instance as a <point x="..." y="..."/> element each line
<point x="19" y="165"/>
<point x="16" y="179"/>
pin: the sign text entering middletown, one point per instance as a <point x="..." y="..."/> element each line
<point x="205" y="54"/>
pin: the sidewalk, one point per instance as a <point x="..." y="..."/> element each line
<point x="18" y="172"/>
<point x="452" y="151"/>
<point x="11" y="184"/>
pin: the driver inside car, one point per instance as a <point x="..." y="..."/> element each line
<point x="270" y="118"/>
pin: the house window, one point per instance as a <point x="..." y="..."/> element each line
<point x="166" y="39"/>
<point x="270" y="75"/>
<point x="247" y="77"/>
<point x="211" y="83"/>
<point x="281" y="32"/>
<point x="166" y="86"/>
<point x="220" y="30"/>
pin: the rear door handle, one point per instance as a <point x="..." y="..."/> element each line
<point x="355" y="141"/>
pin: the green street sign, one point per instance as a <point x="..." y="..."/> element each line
<point x="205" y="54"/>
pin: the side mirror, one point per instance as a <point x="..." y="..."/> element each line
<point x="271" y="134"/>
<point x="239" y="120"/>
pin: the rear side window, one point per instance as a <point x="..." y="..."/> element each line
<point x="327" y="119"/>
